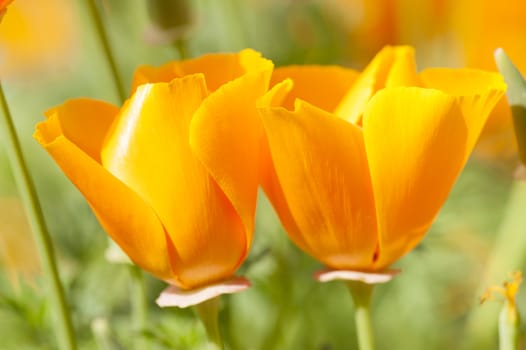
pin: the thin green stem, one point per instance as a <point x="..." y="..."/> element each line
<point x="139" y="306"/>
<point x="102" y="36"/>
<point x="208" y="312"/>
<point x="65" y="333"/>
<point x="102" y="334"/>
<point x="182" y="48"/>
<point x="509" y="327"/>
<point x="361" y="294"/>
<point x="507" y="255"/>
<point x="236" y="26"/>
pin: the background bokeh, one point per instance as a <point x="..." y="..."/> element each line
<point x="49" y="53"/>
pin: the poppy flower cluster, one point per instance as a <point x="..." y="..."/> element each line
<point x="356" y="165"/>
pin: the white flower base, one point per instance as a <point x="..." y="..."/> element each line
<point x="174" y="296"/>
<point x="327" y="275"/>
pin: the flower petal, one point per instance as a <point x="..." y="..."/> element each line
<point x="478" y="92"/>
<point x="218" y="68"/>
<point x="371" y="80"/>
<point x="416" y="140"/>
<point x="392" y="66"/>
<point x="85" y="123"/>
<point x="403" y="69"/>
<point x="124" y="216"/>
<point x="145" y="74"/>
<point x="269" y="179"/>
<point x="326" y="197"/>
<point x="322" y="86"/>
<point x="276" y="96"/>
<point x="225" y="135"/>
<point x="149" y="150"/>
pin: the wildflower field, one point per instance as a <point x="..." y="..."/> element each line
<point x="262" y="174"/>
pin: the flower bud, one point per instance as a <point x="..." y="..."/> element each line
<point x="516" y="98"/>
<point x="171" y="21"/>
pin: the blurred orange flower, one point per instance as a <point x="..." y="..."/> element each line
<point x="3" y="6"/>
<point x="34" y="37"/>
<point x="480" y="27"/>
<point x="457" y="33"/>
<point x="372" y="24"/>
<point x="358" y="172"/>
<point x="172" y="175"/>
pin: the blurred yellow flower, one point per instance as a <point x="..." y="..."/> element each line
<point x="509" y="318"/>
<point x="508" y="290"/>
<point x="172" y="175"/>
<point x="18" y="256"/>
<point x="34" y="36"/>
<point x="358" y="173"/>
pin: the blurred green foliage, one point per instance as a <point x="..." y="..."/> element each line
<point x="426" y="307"/>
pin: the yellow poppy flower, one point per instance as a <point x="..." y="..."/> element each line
<point x="33" y="36"/>
<point x="172" y="176"/>
<point x="358" y="182"/>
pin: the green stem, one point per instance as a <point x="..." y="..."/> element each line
<point x="65" y="333"/>
<point x="208" y="312"/>
<point x="106" y="47"/>
<point x="507" y="255"/>
<point x="139" y="306"/>
<point x="102" y="334"/>
<point x="361" y="294"/>
<point x="236" y="27"/>
<point x="509" y="328"/>
<point x="182" y="48"/>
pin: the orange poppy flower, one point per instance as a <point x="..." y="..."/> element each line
<point x="172" y="175"/>
<point x="358" y="173"/>
<point x="3" y="5"/>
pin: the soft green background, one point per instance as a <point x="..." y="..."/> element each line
<point x="427" y="307"/>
